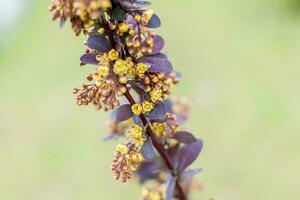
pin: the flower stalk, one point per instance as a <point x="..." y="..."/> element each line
<point x="134" y="80"/>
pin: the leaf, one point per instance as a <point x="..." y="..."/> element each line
<point x="147" y="149"/>
<point x="123" y="113"/>
<point x="118" y="14"/>
<point x="171" y="183"/>
<point x="113" y="136"/>
<point x="185" y="137"/>
<point x="157" y="64"/>
<point x="154" y="22"/>
<point x="159" y="111"/>
<point x="148" y="170"/>
<point x="188" y="154"/>
<point x="99" y="43"/>
<point x="142" y="4"/>
<point x="89" y="58"/>
<point x="62" y="22"/>
<point x="159" y="44"/>
<point x="190" y="173"/>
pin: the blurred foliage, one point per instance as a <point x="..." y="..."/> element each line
<point x="240" y="65"/>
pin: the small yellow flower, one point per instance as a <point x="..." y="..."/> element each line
<point x="136" y="109"/>
<point x="120" y="67"/>
<point x="141" y="68"/>
<point x="103" y="59"/>
<point x="123" y="149"/>
<point x="147" y="106"/>
<point x="156" y="94"/>
<point x="103" y="71"/>
<point x="123" y="27"/>
<point x="113" y="55"/>
<point x="122" y="79"/>
<point x="136" y="135"/>
<point x="159" y="129"/>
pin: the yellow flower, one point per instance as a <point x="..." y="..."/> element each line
<point x="123" y="27"/>
<point x="147" y="106"/>
<point x="103" y="59"/>
<point x="113" y="55"/>
<point x="136" y="109"/>
<point x="135" y="133"/>
<point x="103" y="71"/>
<point x="156" y="94"/>
<point x="159" y="129"/>
<point x="123" y="149"/>
<point x="122" y="79"/>
<point x="141" y="68"/>
<point x="120" y="67"/>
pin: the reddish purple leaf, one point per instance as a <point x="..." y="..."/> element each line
<point x="157" y="64"/>
<point x="89" y="58"/>
<point x="188" y="154"/>
<point x="154" y="22"/>
<point x="123" y="112"/>
<point x="159" y="44"/>
<point x="99" y="43"/>
<point x="185" y="137"/>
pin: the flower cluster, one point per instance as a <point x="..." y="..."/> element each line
<point x="133" y="79"/>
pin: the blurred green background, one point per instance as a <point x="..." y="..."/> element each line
<point x="240" y="64"/>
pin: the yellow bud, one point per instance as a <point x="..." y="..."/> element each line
<point x="123" y="27"/>
<point x="137" y="18"/>
<point x="122" y="79"/>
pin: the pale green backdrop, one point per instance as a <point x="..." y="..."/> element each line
<point x="240" y="64"/>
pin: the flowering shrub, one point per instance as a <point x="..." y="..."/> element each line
<point x="134" y="80"/>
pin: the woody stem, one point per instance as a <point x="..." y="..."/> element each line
<point x="159" y="148"/>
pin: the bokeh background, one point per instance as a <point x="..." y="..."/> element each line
<point x="240" y="64"/>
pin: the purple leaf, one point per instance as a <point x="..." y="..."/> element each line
<point x="113" y="136"/>
<point x="154" y="22"/>
<point x="185" y="137"/>
<point x="189" y="173"/>
<point x="62" y="22"/>
<point x="99" y="43"/>
<point x="142" y="4"/>
<point x="123" y="112"/>
<point x="159" y="111"/>
<point x="157" y="64"/>
<point x="168" y="103"/>
<point x="148" y="150"/>
<point x="89" y="58"/>
<point x="171" y="182"/>
<point x="148" y="170"/>
<point x="188" y="154"/>
<point x="159" y="44"/>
